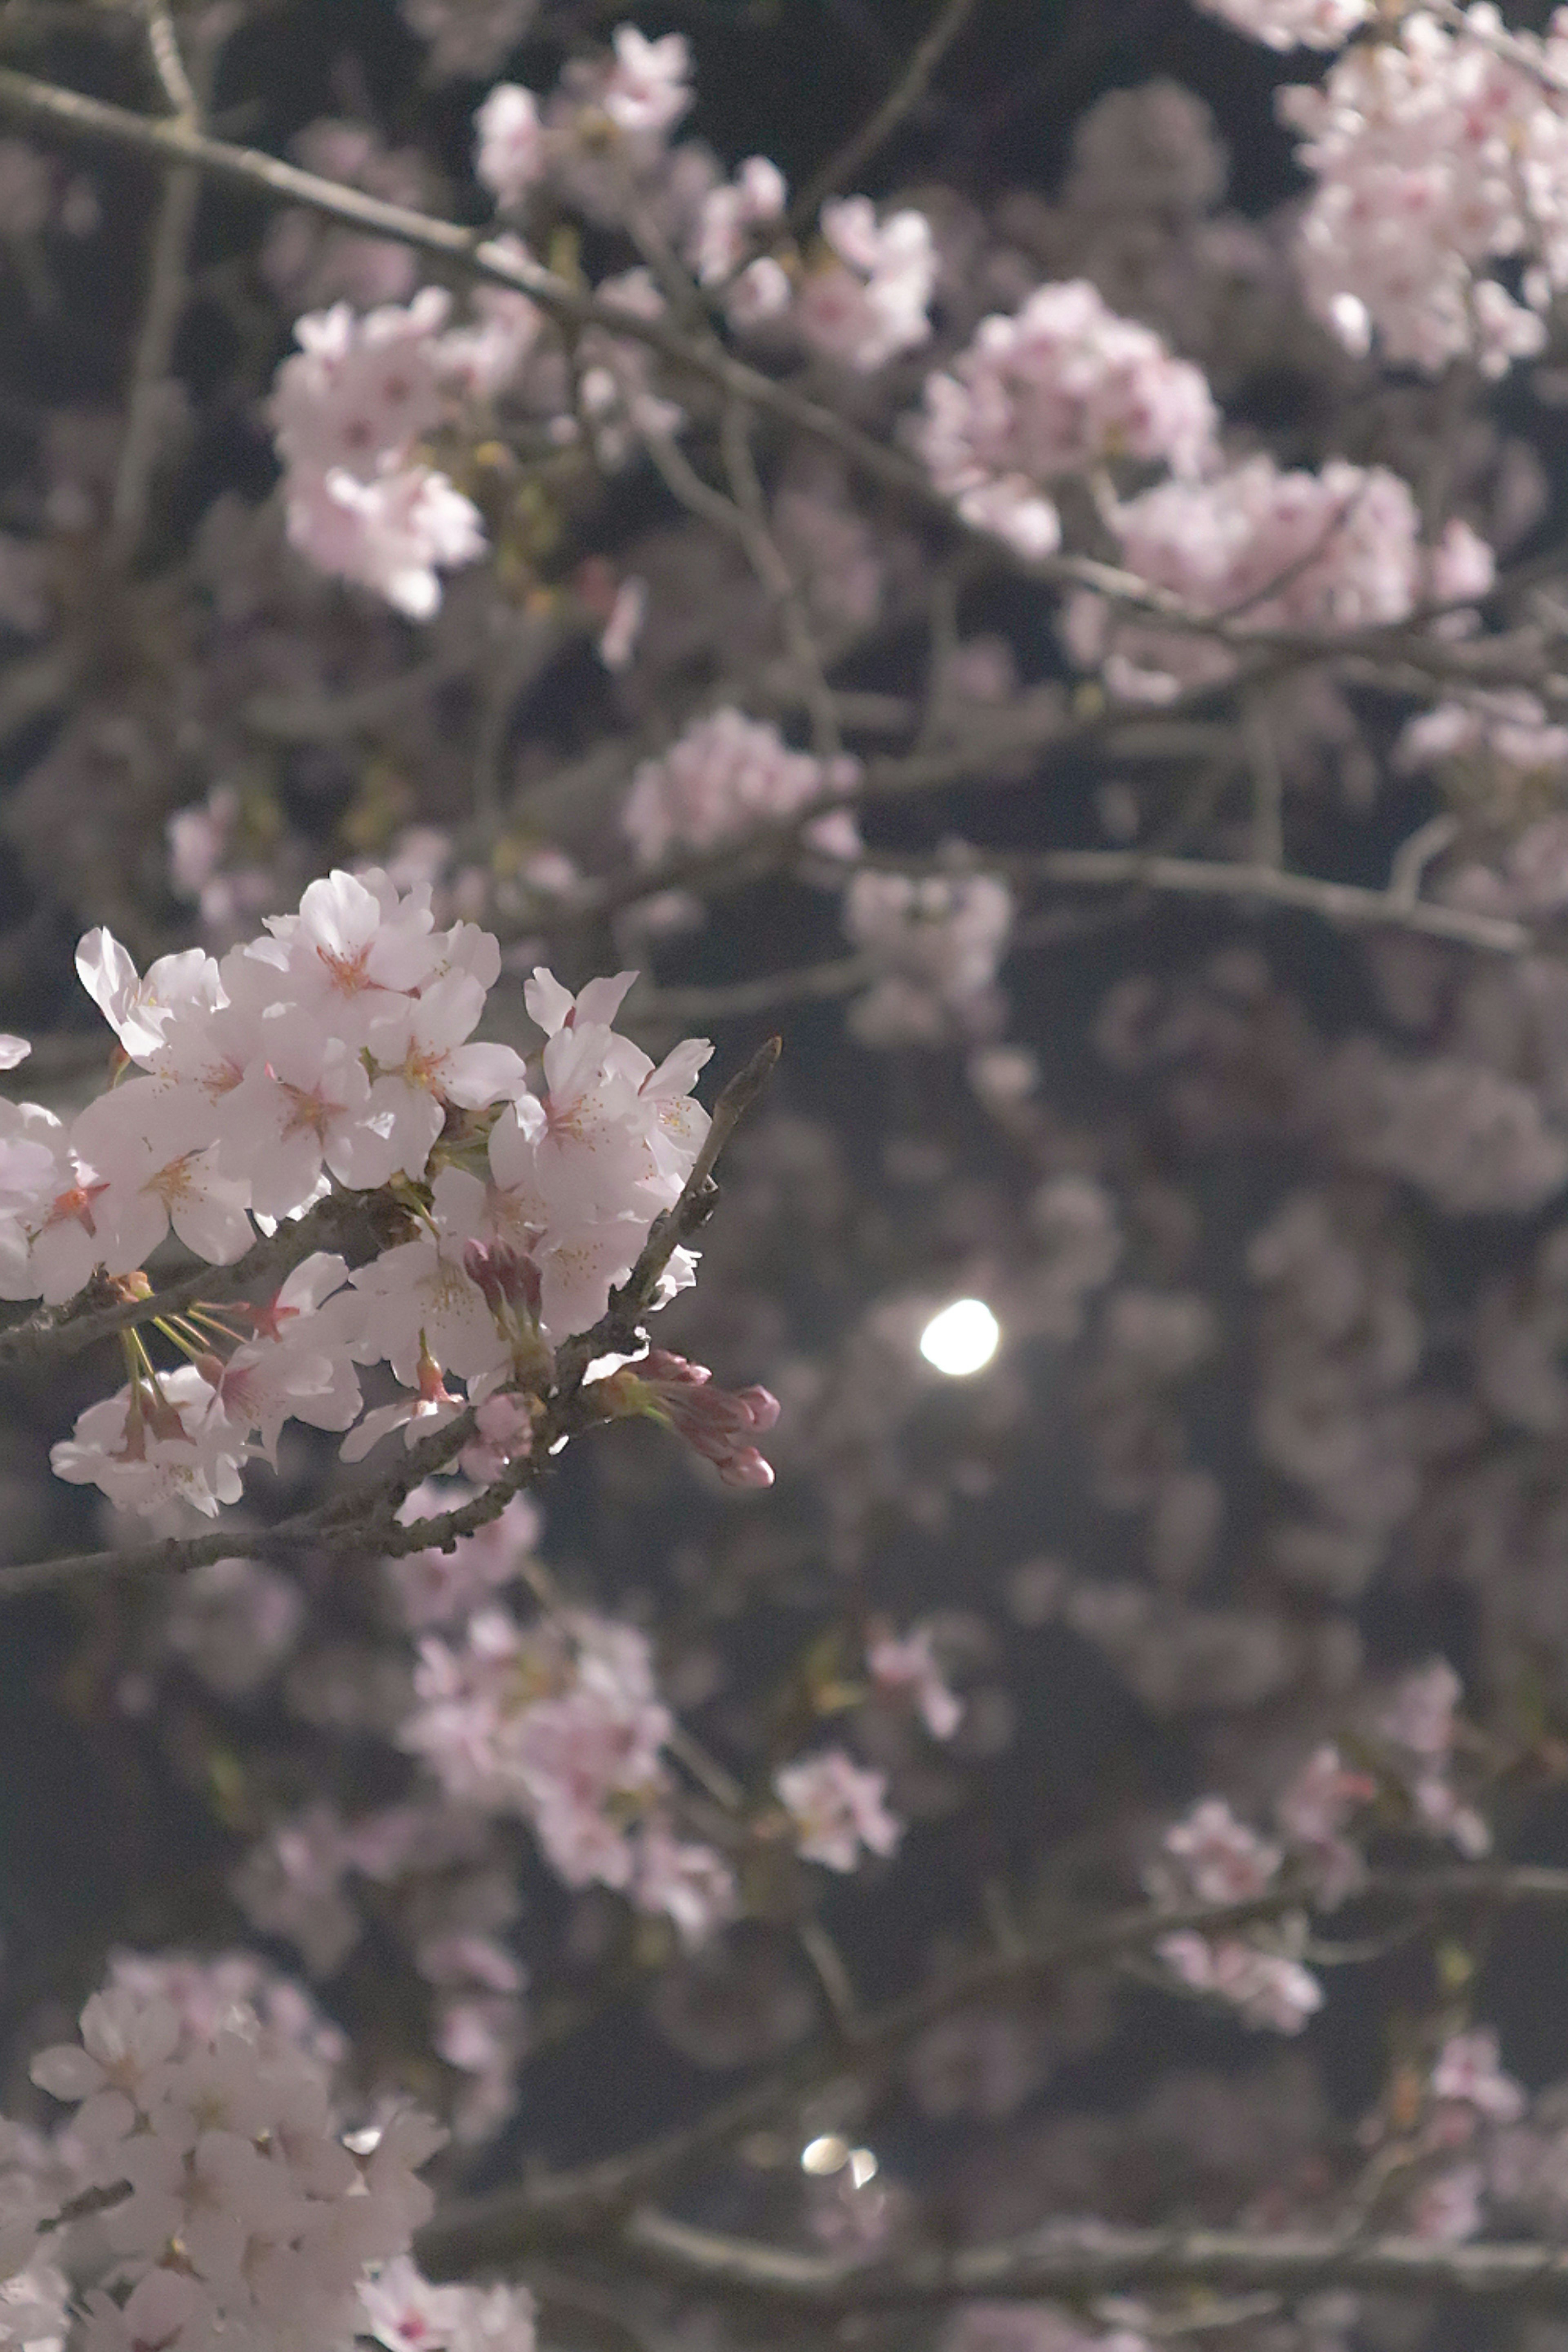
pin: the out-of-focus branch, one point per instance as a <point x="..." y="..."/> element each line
<point x="166" y="292"/>
<point x="1096" y="2258"/>
<point x="812" y="983"/>
<point x="767" y="560"/>
<point x="1491" y="662"/>
<point x="1345" y="905"/>
<point x="504" y="2225"/>
<point x="900" y="101"/>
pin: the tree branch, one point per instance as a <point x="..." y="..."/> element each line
<point x="504" y="2225"/>
<point x="1076" y="2260"/>
<point x="356" y="1223"/>
<point x="474" y="254"/>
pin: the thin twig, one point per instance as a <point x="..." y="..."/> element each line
<point x="900" y="101"/>
<point x="768" y="562"/>
<point x="166" y="295"/>
<point x="810" y="983"/>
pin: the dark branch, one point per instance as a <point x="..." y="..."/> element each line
<point x="1095" y="2258"/>
<point x="499" y="2228"/>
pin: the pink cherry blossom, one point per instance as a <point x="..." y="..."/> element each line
<point x="837" y="1807"/>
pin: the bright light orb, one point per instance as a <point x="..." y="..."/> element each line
<point x="962" y="1339"/>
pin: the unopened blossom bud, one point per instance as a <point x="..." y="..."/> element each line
<point x="715" y="1423"/>
<point x="478" y="1264"/>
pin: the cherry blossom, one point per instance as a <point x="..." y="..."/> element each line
<point x="153" y="1446"/>
<point x="938" y="940"/>
<point x="1266" y="550"/>
<point x="646" y="89"/>
<point x="727" y="775"/>
<point x="510" y="157"/>
<point x="905" y="1666"/>
<point x="863" y="299"/>
<point x="837" y="1807"/>
<point x="1059" y="389"/>
<point x="349" y="409"/>
<point x="225" y="2144"/>
<point x="1265" y="1988"/>
<point x="1436" y="156"/>
<point x="561" y="1726"/>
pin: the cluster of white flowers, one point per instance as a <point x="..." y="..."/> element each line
<point x="905" y="1668"/>
<point x="1419" y="1732"/>
<point x="349" y="410"/>
<point x="1505" y="733"/>
<point x="336" y="1050"/>
<point x="727" y="775"/>
<point x="936" y="940"/>
<point x="1267" y="550"/>
<point x="1471" y="1138"/>
<point x="1061" y="387"/>
<point x="1211" y="1857"/>
<point x="242" y="2210"/>
<point x="731" y="220"/>
<point x="602" y="138"/>
<point x="863" y="299"/>
<point x="1457" y="2145"/>
<point x="1439" y="153"/>
<point x="560" y="1725"/>
<point x="837" y="1809"/>
<point x="401" y="2310"/>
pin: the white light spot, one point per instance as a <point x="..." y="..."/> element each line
<point x="862" y="2166"/>
<point x="962" y="1339"/>
<point x="829" y="2154"/>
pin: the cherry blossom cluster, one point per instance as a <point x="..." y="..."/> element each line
<point x="1211" y="1857"/>
<point x="1504" y="734"/>
<point x="1453" y="2151"/>
<point x="836" y="1809"/>
<point x="863" y="297"/>
<point x="1060" y="389"/>
<point x="355" y="410"/>
<point x="936" y="942"/>
<point x="1439" y="153"/>
<point x="241" y="2207"/>
<point x="857" y="296"/>
<point x="601" y="136"/>
<point x="1261" y="549"/>
<point x="1418" y="1737"/>
<point x="349" y="410"/>
<point x="442" y="1886"/>
<point x="559" y="1724"/>
<point x="334" y="1052"/>
<point x="727" y="776"/>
